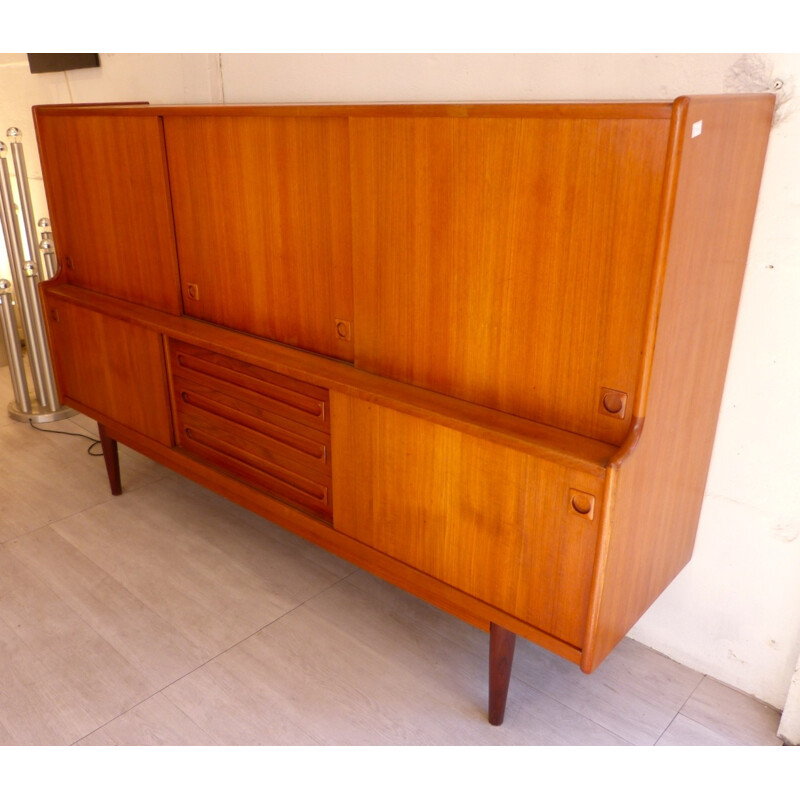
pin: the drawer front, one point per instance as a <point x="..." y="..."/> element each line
<point x="515" y="531"/>
<point x="259" y="426"/>
<point x="274" y="437"/>
<point x="248" y="384"/>
<point x="305" y="491"/>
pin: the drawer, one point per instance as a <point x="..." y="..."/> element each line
<point x="253" y="386"/>
<point x="306" y="491"/>
<point x="263" y="428"/>
<point x="302" y="455"/>
<point x="276" y="437"/>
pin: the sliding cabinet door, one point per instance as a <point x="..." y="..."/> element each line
<point x="508" y="261"/>
<point x="108" y="197"/>
<point x="262" y="216"/>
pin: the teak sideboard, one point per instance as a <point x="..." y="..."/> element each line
<point x="478" y="350"/>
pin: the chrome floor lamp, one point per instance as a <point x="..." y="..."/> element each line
<point x="30" y="261"/>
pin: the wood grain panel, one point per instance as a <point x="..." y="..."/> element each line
<point x="569" y="449"/>
<point x="235" y="451"/>
<point x="259" y="391"/>
<point x="262" y="218"/>
<point x="507" y="261"/>
<point x="577" y="110"/>
<point x="491" y="520"/>
<point x="109" y="204"/>
<point x="261" y="427"/>
<point x="110" y="366"/>
<point x="305" y="443"/>
<point x="651" y="532"/>
<point x="511" y="264"/>
<point x="277" y="440"/>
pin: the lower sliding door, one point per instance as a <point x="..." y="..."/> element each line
<point x="110" y="367"/>
<point x="507" y="527"/>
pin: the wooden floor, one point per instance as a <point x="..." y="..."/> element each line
<point x="170" y="616"/>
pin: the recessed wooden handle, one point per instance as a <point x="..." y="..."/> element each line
<point x="343" y="329"/>
<point x="581" y="503"/>
<point x="613" y="403"/>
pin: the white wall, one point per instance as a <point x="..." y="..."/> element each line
<point x="734" y="612"/>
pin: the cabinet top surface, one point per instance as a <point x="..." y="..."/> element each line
<point x="610" y="109"/>
<point x="590" y="109"/>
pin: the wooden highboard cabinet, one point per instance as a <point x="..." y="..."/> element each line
<point x="478" y="350"/>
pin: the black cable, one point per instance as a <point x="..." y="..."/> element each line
<point x="93" y="441"/>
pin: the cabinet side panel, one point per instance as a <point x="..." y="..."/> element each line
<point x="490" y="520"/>
<point x="661" y="484"/>
<point x="109" y="203"/>
<point x="508" y="261"/>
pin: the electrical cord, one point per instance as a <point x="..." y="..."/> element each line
<point x="94" y="442"/>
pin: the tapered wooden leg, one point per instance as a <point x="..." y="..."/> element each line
<point x="501" y="657"/>
<point x="111" y="457"/>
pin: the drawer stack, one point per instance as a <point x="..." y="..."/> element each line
<point x="261" y="427"/>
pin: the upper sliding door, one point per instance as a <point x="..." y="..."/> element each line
<point x="108" y="196"/>
<point x="508" y="260"/>
<point x="262" y="219"/>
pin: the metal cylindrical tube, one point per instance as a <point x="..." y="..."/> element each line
<point x="19" y="382"/>
<point x="23" y="192"/>
<point x="11" y="233"/>
<point x="37" y="323"/>
<point x="33" y="270"/>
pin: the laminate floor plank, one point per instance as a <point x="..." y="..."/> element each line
<point x="142" y="636"/>
<point x="48" y="476"/>
<point x="685" y="732"/>
<point x="634" y="694"/>
<point x="35" y="708"/>
<point x="237" y="703"/>
<point x="267" y="550"/>
<point x="158" y="543"/>
<point x="60" y="679"/>
<point x="156" y="721"/>
<point x="734" y="717"/>
<point x="346" y="672"/>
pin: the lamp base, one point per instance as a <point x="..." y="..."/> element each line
<point x="39" y="413"/>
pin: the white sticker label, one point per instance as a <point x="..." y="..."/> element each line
<point x="697" y="128"/>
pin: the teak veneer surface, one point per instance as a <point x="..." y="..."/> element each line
<point x="473" y="514"/>
<point x="124" y="378"/>
<point x="572" y="110"/>
<point x="262" y="214"/>
<point x="514" y="320"/>
<point x="716" y="175"/>
<point x="108" y="197"/>
<point x="564" y="447"/>
<point x="506" y="261"/>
